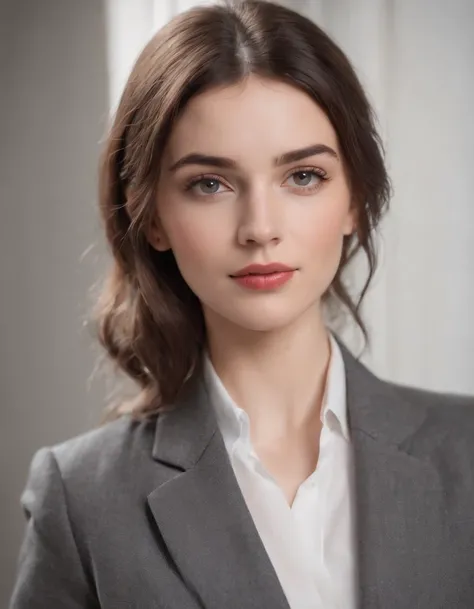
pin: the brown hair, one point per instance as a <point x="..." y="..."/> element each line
<point x="149" y="320"/>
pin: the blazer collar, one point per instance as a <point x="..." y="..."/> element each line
<point x="183" y="433"/>
<point x="375" y="407"/>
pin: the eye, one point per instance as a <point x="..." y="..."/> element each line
<point x="308" y="178"/>
<point x="210" y="184"/>
<point x="304" y="176"/>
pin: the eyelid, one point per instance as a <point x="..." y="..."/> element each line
<point x="204" y="176"/>
<point x="317" y="170"/>
<point x="210" y="176"/>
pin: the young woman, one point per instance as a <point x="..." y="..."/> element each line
<point x="261" y="465"/>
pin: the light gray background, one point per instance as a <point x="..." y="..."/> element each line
<point x="53" y="113"/>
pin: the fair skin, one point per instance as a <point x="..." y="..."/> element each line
<point x="270" y="348"/>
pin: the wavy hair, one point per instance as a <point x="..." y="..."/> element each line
<point x="149" y="321"/>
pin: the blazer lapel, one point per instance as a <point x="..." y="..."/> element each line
<point x="202" y="515"/>
<point x="400" y="502"/>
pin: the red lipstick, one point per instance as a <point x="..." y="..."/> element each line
<point x="263" y="276"/>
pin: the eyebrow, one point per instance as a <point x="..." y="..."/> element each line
<point x="198" y="158"/>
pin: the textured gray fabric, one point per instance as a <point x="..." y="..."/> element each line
<point x="149" y="514"/>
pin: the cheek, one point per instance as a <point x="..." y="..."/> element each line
<point x="323" y="232"/>
<point x="194" y="240"/>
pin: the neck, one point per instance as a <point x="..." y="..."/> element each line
<point x="277" y="377"/>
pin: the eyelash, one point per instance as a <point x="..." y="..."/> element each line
<point x="313" y="170"/>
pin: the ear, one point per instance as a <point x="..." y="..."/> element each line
<point x="156" y="236"/>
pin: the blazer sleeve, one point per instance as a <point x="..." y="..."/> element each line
<point x="50" y="573"/>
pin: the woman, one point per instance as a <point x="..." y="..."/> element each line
<point x="261" y="465"/>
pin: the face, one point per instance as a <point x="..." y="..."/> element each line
<point x="256" y="206"/>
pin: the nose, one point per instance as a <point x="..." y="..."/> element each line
<point x="260" y="220"/>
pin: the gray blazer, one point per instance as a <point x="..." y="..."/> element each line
<point x="149" y="515"/>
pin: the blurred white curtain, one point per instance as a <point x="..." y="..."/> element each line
<point x="416" y="60"/>
<point x="130" y="24"/>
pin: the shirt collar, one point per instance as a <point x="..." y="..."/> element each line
<point x="233" y="421"/>
<point x="334" y="399"/>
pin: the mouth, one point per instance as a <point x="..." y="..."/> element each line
<point x="261" y="274"/>
<point x="263" y="281"/>
<point x="254" y="270"/>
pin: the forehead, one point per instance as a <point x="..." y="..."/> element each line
<point x="254" y="118"/>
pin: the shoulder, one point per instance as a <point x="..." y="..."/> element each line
<point x="114" y="449"/>
<point x="80" y="484"/>
<point x="448" y="417"/>
<point x="101" y="458"/>
<point x="455" y="406"/>
<point x="79" y="497"/>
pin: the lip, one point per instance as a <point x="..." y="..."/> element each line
<point x="264" y="281"/>
<point x="263" y="269"/>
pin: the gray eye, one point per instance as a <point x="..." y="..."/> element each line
<point x="210" y="183"/>
<point x="305" y="175"/>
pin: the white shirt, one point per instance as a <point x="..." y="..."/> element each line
<point x="312" y="543"/>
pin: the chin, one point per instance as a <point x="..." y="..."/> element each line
<point x="263" y="321"/>
<point x="261" y="325"/>
<point x="266" y="315"/>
